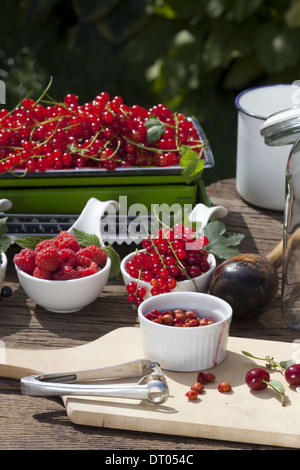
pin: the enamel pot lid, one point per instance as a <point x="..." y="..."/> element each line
<point x="282" y="128"/>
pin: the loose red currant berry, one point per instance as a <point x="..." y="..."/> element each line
<point x="292" y="374"/>
<point x="192" y="394"/>
<point x="210" y="377"/>
<point x="198" y="386"/>
<point x="224" y="387"/>
<point x="201" y="377"/>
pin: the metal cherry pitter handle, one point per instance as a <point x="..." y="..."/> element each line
<point x="152" y="386"/>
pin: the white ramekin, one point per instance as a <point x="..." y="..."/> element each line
<point x="190" y="348"/>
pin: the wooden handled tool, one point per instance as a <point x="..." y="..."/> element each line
<point x="248" y="282"/>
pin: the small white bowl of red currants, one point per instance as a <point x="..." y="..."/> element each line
<point x="173" y="260"/>
<point x="185" y="332"/>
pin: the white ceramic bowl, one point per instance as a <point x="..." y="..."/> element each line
<point x="199" y="284"/>
<point x="65" y="296"/>
<point x="191" y="348"/>
<point x="74" y="294"/>
<point x="3" y="267"/>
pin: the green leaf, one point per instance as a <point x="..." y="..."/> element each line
<point x="277" y="48"/>
<point x="115" y="260"/>
<point x="155" y="129"/>
<point x="246" y="353"/>
<point x="3" y="226"/>
<point x="86" y="239"/>
<point x="30" y="242"/>
<point x="5" y="241"/>
<point x="276" y="385"/>
<point x="191" y="163"/>
<point x="292" y="15"/>
<point x="279" y="388"/>
<point x="286" y="364"/>
<point x="221" y="243"/>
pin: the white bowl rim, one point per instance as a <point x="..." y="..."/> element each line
<point x="54" y="281"/>
<point x="146" y="283"/>
<point x="227" y="314"/>
<point x="4" y="259"/>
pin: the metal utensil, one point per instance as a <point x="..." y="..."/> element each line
<point x="152" y="386"/>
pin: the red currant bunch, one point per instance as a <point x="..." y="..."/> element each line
<point x="171" y="256"/>
<point x="103" y="133"/>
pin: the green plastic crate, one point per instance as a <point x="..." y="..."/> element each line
<point x="66" y="192"/>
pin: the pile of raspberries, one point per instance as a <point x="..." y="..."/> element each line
<point x="61" y="258"/>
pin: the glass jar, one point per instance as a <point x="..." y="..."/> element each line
<point x="283" y="128"/>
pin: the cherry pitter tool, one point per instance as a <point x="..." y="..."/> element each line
<point x="152" y="385"/>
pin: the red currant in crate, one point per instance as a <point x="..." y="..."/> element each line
<point x="73" y="127"/>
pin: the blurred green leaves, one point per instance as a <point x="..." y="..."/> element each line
<point x="194" y="55"/>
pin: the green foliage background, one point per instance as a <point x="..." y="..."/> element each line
<point x="193" y="55"/>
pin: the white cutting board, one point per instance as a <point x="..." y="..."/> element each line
<point x="240" y="415"/>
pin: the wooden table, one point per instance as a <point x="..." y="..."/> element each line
<point x="28" y="423"/>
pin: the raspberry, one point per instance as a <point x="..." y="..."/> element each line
<point x="25" y="260"/>
<point x="84" y="257"/>
<point x="42" y="273"/>
<point x="43" y="244"/>
<point x="70" y="272"/>
<point x="65" y="273"/>
<point x="67" y="240"/>
<point x="59" y="275"/>
<point x="100" y="256"/>
<point x="87" y="271"/>
<point x="48" y="258"/>
<point x="63" y="234"/>
<point x="67" y="256"/>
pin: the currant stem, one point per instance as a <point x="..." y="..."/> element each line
<point x="270" y="360"/>
<point x="45" y="91"/>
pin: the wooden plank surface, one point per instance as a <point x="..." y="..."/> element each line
<point x="38" y="423"/>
